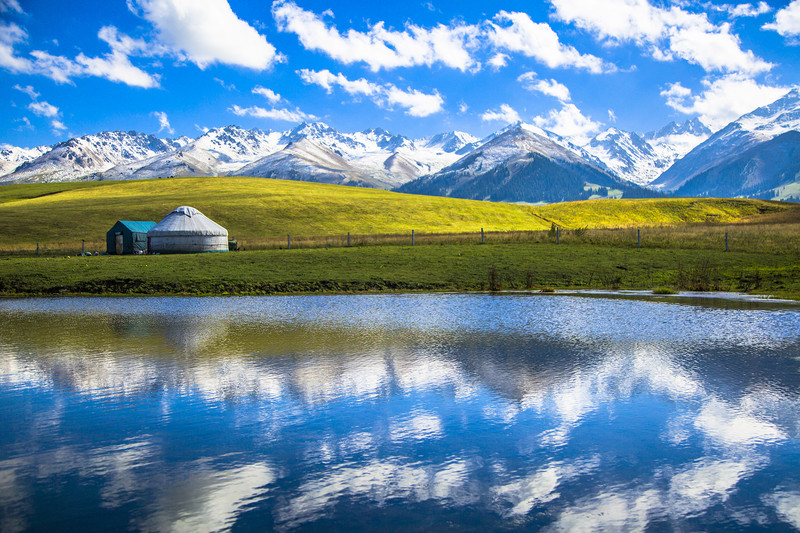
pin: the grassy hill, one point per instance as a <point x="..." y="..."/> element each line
<point x="257" y="208"/>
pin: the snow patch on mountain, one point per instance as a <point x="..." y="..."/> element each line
<point x="749" y="130"/>
<point x="13" y="156"/>
<point x="642" y="159"/>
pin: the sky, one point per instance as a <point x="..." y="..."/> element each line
<point x="416" y="68"/>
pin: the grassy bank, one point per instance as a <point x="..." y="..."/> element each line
<point x="461" y="267"/>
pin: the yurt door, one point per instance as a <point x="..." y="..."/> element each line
<point x="119" y="244"/>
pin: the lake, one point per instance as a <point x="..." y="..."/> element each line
<point x="401" y="412"/>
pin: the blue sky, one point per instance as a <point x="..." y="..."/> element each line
<point x="176" y="67"/>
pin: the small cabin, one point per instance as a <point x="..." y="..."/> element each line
<point x="128" y="237"/>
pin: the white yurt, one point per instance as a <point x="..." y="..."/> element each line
<point x="186" y="230"/>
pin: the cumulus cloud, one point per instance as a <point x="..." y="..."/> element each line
<point x="531" y="82"/>
<point x="666" y="33"/>
<point x="269" y="94"/>
<point x="516" y="32"/>
<point x="380" y="47"/>
<point x="286" y="115"/>
<point x="328" y="80"/>
<point x="114" y="66"/>
<point x="498" y="61"/>
<point x="569" y="122"/>
<point x="43" y="109"/>
<point x="505" y="114"/>
<point x="163" y="122"/>
<point x="722" y="100"/>
<point x="207" y="32"/>
<point x="787" y="20"/>
<point x="7" y="6"/>
<point x="416" y="103"/>
<point x="10" y="35"/>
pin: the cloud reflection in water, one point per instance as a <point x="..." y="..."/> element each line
<point x="523" y="411"/>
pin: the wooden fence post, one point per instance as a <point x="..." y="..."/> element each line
<point x="412" y="237"/>
<point x="83" y="246"/>
<point x="483" y="238"/>
<point x="639" y="238"/>
<point x="558" y="235"/>
<point x="348" y="239"/>
<point x="288" y="242"/>
<point x="37" y="249"/>
<point x="726" y="241"/>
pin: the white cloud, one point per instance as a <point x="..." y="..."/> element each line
<point x="43" y="109"/>
<point x="207" y="32"/>
<point x="10" y="5"/>
<point x="380" y="47"/>
<point x="569" y="122"/>
<point x="163" y="122"/>
<point x="612" y="117"/>
<point x="416" y="103"/>
<point x="286" y="115"/>
<point x="202" y="129"/>
<point x="666" y="33"/>
<point x="116" y="66"/>
<point x="269" y="94"/>
<point x="226" y="86"/>
<point x="787" y="20"/>
<point x="516" y="32"/>
<point x="463" y="107"/>
<point x="531" y="82"/>
<point x="722" y="100"/>
<point x="750" y="10"/>
<point x="10" y="35"/>
<point x="327" y="80"/>
<point x="498" y="61"/>
<point x="506" y="114"/>
<point x="28" y="89"/>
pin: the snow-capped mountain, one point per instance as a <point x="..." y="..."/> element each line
<point x="306" y="161"/>
<point x="523" y="164"/>
<point x="642" y="159"/>
<point x="88" y="156"/>
<point x="12" y="156"/>
<point x="769" y="170"/>
<point x="746" y="132"/>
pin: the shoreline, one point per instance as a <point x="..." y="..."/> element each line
<point x="400" y="269"/>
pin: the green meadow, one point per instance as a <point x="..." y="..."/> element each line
<point x="591" y="244"/>
<point x="258" y="211"/>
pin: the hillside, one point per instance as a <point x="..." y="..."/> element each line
<point x="253" y="208"/>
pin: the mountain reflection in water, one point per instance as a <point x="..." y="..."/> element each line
<point x="397" y="412"/>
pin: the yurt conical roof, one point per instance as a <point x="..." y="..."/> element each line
<point x="185" y="220"/>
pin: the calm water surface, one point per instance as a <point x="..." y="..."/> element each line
<point x="401" y="412"/>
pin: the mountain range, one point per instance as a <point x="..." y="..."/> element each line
<point x="753" y="156"/>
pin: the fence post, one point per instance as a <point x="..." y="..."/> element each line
<point x="412" y="237"/>
<point x="348" y="239"/>
<point x="483" y="239"/>
<point x="288" y="242"/>
<point x="37" y="249"/>
<point x="726" y="241"/>
<point x="558" y="235"/>
<point x="639" y="238"/>
<point x="83" y="246"/>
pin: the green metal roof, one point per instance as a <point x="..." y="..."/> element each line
<point x="138" y="226"/>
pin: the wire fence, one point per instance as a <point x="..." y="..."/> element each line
<point x="781" y="238"/>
